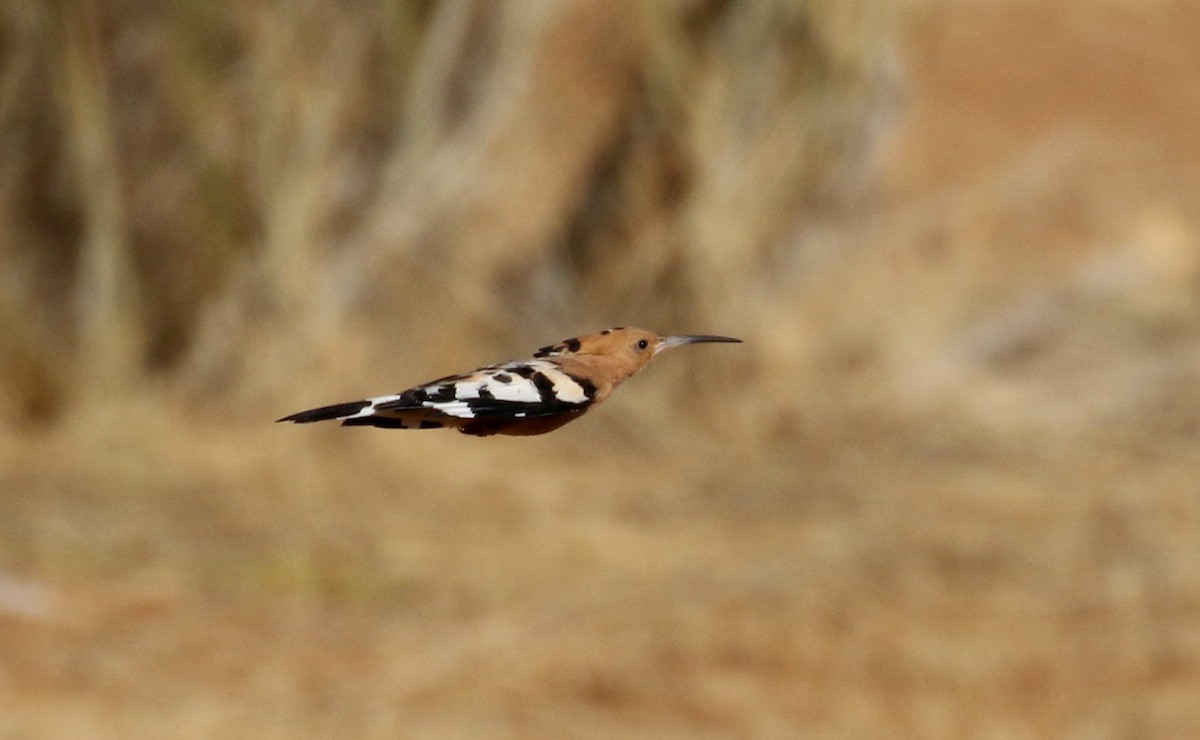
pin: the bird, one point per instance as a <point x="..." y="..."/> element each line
<point x="560" y="383"/>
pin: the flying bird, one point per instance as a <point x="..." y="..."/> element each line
<point x="523" y="397"/>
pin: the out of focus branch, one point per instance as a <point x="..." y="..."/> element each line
<point x="111" y="338"/>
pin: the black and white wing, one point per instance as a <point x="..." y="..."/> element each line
<point x="514" y="391"/>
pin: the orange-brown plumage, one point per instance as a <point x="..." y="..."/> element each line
<point x="524" y="397"/>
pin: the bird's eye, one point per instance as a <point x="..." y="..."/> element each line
<point x="642" y="344"/>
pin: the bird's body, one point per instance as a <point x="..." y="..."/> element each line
<point x="523" y="397"/>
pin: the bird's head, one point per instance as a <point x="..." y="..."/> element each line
<point x="623" y="351"/>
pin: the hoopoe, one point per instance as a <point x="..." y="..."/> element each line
<point x="523" y="397"/>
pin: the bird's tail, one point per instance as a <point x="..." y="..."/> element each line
<point x="375" y="412"/>
<point x="327" y="413"/>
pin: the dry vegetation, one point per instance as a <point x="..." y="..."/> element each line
<point x="949" y="487"/>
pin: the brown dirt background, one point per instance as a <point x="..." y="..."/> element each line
<point x="949" y="486"/>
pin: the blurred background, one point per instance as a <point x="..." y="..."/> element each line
<point x="949" y="486"/>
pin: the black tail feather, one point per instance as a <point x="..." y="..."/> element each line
<point x="326" y="413"/>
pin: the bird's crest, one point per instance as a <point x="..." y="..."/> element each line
<point x="565" y="347"/>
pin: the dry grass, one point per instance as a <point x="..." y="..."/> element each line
<point x="947" y="488"/>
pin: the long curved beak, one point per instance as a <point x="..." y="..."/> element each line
<point x="681" y="339"/>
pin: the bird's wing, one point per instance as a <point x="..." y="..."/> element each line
<point x="525" y="389"/>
